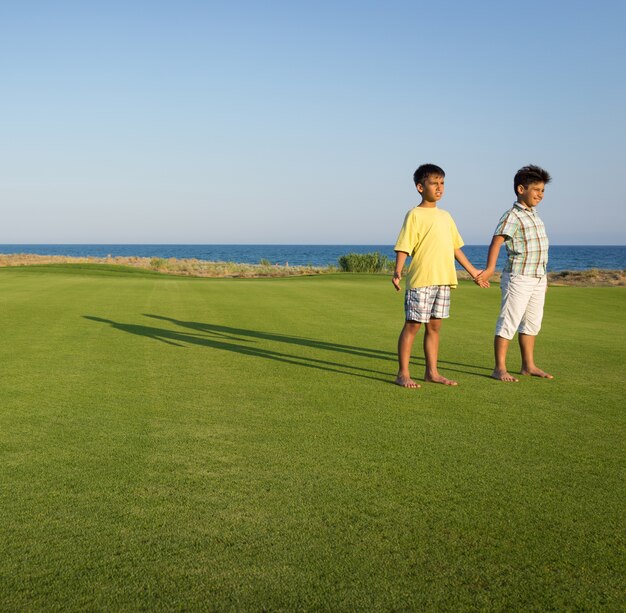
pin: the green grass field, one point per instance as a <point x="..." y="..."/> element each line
<point x="213" y="444"/>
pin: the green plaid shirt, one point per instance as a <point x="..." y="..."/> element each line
<point x="526" y="241"/>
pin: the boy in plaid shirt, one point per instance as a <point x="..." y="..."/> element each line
<point x="524" y="279"/>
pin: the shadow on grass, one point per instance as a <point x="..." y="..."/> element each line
<point x="232" y="341"/>
<point x="309" y="342"/>
<point x="246" y="342"/>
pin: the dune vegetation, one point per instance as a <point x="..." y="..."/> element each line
<point x="351" y="262"/>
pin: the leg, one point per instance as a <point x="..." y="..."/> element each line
<point x="529" y="328"/>
<point x="405" y="345"/>
<point x="500" y="348"/>
<point x="527" y="347"/>
<point x="431" y="353"/>
<point x="515" y="297"/>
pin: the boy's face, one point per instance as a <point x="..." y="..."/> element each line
<point x="532" y="195"/>
<point x="432" y="188"/>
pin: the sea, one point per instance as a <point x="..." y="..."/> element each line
<point x="562" y="257"/>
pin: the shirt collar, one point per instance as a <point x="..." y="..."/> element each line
<point x="523" y="208"/>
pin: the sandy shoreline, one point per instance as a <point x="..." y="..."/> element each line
<point x="201" y="268"/>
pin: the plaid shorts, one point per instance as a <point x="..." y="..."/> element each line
<point x="422" y="303"/>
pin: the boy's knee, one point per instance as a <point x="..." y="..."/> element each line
<point x="434" y="325"/>
<point x="412" y="326"/>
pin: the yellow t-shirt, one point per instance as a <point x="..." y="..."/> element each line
<point x="429" y="236"/>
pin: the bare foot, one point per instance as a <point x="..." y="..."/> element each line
<point x="439" y="379"/>
<point x="403" y="381"/>
<point x="503" y="375"/>
<point x="536" y="372"/>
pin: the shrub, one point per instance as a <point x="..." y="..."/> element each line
<point x="158" y="263"/>
<point x="365" y="262"/>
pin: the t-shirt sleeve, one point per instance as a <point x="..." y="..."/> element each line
<point x="508" y="225"/>
<point x="457" y="241"/>
<point x="406" y="238"/>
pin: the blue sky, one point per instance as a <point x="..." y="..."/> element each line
<point x="288" y="122"/>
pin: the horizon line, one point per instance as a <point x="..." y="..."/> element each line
<point x="37" y="244"/>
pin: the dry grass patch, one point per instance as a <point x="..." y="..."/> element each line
<point x="593" y="277"/>
<point x="581" y="278"/>
<point x="171" y="266"/>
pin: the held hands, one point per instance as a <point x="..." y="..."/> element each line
<point x="481" y="278"/>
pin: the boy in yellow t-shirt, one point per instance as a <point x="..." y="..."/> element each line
<point x="429" y="235"/>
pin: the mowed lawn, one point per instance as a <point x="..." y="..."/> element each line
<point x="221" y="444"/>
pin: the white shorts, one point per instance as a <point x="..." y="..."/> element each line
<point x="522" y="305"/>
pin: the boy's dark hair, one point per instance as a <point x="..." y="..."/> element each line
<point x="425" y="171"/>
<point x="530" y="174"/>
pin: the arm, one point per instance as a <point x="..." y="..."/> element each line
<point x="461" y="258"/>
<point x="492" y="256"/>
<point x="401" y="257"/>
